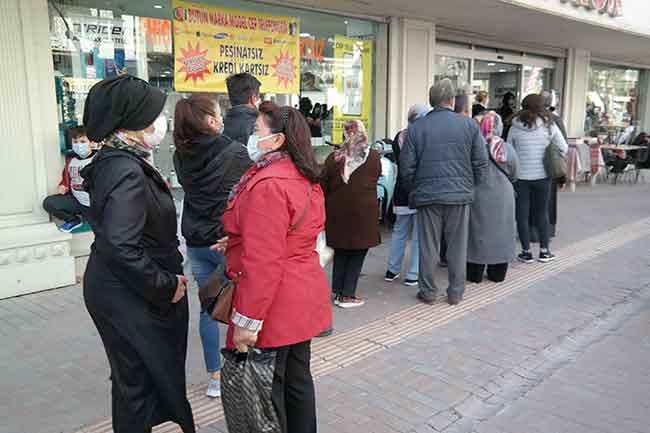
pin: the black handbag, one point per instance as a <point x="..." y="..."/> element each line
<point x="246" y="391"/>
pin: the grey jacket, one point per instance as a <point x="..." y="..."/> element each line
<point x="443" y="159"/>
<point x="492" y="224"/>
<point x="531" y="144"/>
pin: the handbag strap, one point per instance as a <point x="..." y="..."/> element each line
<point x="304" y="212"/>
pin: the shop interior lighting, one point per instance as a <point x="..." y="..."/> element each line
<point x="492" y="64"/>
<point x="503" y="70"/>
<point x="157" y="6"/>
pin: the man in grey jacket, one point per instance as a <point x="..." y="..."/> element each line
<point x="444" y="157"/>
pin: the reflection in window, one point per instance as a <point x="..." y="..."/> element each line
<point x="611" y="105"/>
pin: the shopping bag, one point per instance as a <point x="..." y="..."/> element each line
<point x="246" y="385"/>
<point x="325" y="253"/>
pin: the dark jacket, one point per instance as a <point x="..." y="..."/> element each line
<point x="352" y="208"/>
<point x="401" y="196"/>
<point x="208" y="174"/>
<point x="443" y="158"/>
<point x="239" y="123"/>
<point x="129" y="283"/>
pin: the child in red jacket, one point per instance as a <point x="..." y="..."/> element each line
<point x="72" y="201"/>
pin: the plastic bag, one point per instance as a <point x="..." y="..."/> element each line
<point x="325" y="253"/>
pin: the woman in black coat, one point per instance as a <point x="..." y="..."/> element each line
<point x="134" y="289"/>
<point x="208" y="165"/>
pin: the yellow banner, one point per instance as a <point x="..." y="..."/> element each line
<point x="212" y="43"/>
<point x="353" y="81"/>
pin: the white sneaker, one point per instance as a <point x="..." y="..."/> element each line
<point x="214" y="388"/>
<point x="350" y="302"/>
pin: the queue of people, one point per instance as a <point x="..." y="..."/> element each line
<point x="255" y="202"/>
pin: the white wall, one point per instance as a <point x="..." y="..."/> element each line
<point x="411" y="68"/>
<point x="635" y="18"/>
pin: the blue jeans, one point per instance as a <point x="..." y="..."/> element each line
<point x="204" y="262"/>
<point x="401" y="229"/>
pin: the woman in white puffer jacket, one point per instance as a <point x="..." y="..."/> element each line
<point x="533" y="130"/>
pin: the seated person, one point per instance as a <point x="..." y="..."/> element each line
<point x="72" y="202"/>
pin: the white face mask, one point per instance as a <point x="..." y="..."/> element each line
<point x="152" y="139"/>
<point x="254" y="151"/>
<point x="81" y="148"/>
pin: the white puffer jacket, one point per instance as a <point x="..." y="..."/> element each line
<point x="531" y="144"/>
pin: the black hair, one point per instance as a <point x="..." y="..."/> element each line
<point x="241" y="87"/>
<point x="76" y="132"/>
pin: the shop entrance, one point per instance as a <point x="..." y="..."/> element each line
<point x="498" y="72"/>
<point x="497" y="79"/>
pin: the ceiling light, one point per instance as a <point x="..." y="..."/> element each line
<point x="346" y="22"/>
<point x="157" y="6"/>
<point x="503" y="70"/>
<point x="492" y="64"/>
<point x="305" y="35"/>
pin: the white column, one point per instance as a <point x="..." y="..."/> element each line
<point x="577" y="82"/>
<point x="411" y="69"/>
<point x="644" y="101"/>
<point x="34" y="255"/>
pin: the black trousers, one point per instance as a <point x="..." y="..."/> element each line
<point x="347" y="270"/>
<point x="64" y="207"/>
<point x="496" y="273"/>
<point x="535" y="194"/>
<point x="293" y="393"/>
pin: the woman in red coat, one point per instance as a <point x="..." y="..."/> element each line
<point x="282" y="297"/>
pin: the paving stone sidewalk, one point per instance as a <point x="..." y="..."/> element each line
<point x="55" y="375"/>
<point x="568" y="355"/>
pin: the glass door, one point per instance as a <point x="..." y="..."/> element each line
<point x="497" y="80"/>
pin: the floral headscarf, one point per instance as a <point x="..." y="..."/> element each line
<point x="354" y="151"/>
<point x="496" y="145"/>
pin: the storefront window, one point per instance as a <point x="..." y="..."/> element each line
<point x="456" y="69"/>
<point x="498" y="79"/>
<point x="537" y="79"/>
<point x="611" y="106"/>
<point x="333" y="79"/>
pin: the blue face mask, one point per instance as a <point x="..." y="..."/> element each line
<point x="81" y="148"/>
<point x="254" y="151"/>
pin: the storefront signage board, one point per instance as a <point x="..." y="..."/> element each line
<point x="613" y="8"/>
<point x="212" y="43"/>
<point x="353" y="81"/>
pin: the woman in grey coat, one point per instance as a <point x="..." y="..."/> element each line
<point x="492" y="226"/>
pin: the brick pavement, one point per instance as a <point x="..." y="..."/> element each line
<point x="545" y="360"/>
<point x="55" y="374"/>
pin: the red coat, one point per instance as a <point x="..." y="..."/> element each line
<point x="281" y="281"/>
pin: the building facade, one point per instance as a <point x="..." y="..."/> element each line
<point x="363" y="60"/>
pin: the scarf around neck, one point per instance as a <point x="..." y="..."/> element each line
<point x="123" y="141"/>
<point x="260" y="165"/>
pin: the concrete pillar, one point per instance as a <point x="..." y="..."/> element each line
<point x="644" y="101"/>
<point x="34" y="255"/>
<point x="411" y="69"/>
<point x="577" y="83"/>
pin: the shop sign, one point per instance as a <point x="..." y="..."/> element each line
<point x="353" y="82"/>
<point x="613" y="8"/>
<point x="212" y="43"/>
<point x="312" y="49"/>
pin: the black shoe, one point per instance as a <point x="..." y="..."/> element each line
<point x="425" y="300"/>
<point x="454" y="300"/>
<point x="390" y="277"/>
<point x="326" y="333"/>
<point x="526" y="257"/>
<point x="444" y="264"/>
<point x="546" y="256"/>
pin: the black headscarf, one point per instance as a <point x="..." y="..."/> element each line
<point x="123" y="102"/>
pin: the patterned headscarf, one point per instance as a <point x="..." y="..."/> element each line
<point x="495" y="143"/>
<point x="355" y="144"/>
<point x="354" y="152"/>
